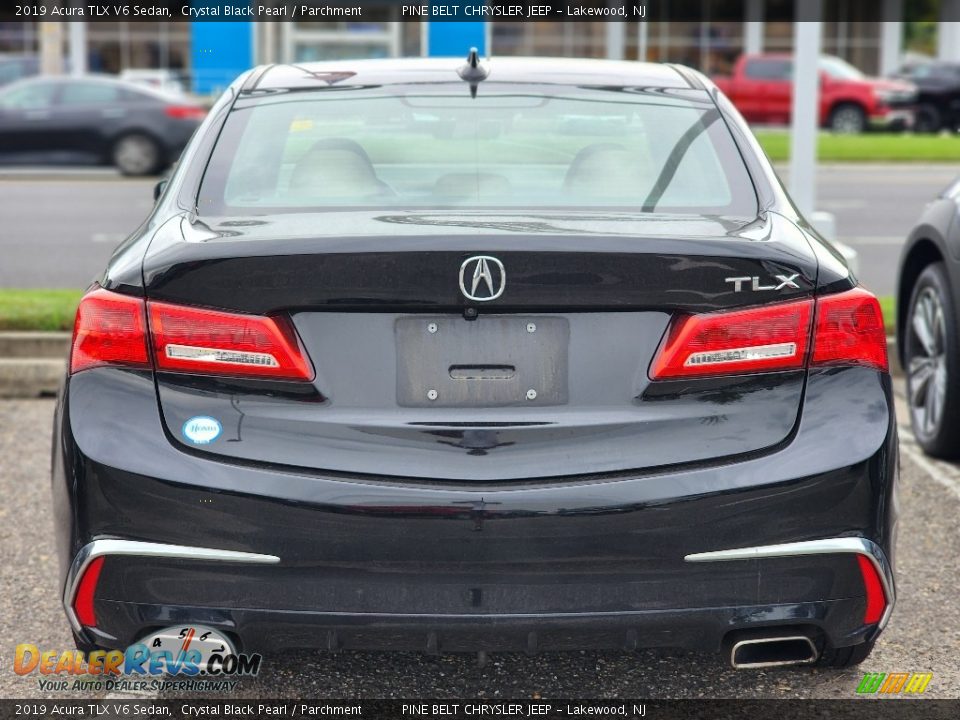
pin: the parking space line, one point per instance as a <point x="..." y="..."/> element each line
<point x="940" y="472"/>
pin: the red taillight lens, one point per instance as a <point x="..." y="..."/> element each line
<point x="185" y="112"/>
<point x="110" y="329"/>
<point x="195" y="340"/>
<point x="83" y="600"/>
<point x="849" y="331"/>
<point x="765" y="338"/>
<point x="876" y="598"/>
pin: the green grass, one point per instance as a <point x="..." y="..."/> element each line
<point x="889" y="307"/>
<point x="869" y="147"/>
<point x="38" y="309"/>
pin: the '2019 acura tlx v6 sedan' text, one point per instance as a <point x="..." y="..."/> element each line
<point x="461" y="356"/>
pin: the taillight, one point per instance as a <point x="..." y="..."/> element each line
<point x="773" y="337"/>
<point x="194" y="340"/>
<point x="185" y="112"/>
<point x="847" y="329"/>
<point x="83" y="600"/>
<point x="110" y="329"/>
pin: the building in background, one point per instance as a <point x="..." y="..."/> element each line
<point x="871" y="34"/>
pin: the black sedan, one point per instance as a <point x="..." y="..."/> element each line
<point x="927" y="330"/>
<point x="938" y="99"/>
<point x="94" y="120"/>
<point x="517" y="355"/>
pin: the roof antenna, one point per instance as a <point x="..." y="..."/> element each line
<point x="472" y="71"/>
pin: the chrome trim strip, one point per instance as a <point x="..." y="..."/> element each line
<point x="98" y="548"/>
<point x="828" y="546"/>
<point x="774" y="663"/>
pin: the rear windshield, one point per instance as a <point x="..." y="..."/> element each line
<point x="648" y="150"/>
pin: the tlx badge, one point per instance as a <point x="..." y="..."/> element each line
<point x="753" y="283"/>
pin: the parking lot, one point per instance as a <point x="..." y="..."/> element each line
<point x="79" y="216"/>
<point x="923" y="635"/>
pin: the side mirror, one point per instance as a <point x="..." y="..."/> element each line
<point x="159" y="188"/>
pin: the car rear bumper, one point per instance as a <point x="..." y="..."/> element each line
<point x="554" y="564"/>
<point x="276" y="608"/>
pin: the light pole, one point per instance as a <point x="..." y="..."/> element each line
<point x="78" y="48"/>
<point x="805" y="115"/>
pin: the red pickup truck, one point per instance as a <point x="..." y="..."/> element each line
<point x="761" y="88"/>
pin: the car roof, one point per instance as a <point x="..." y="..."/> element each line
<point x="97" y="78"/>
<point x="562" y="71"/>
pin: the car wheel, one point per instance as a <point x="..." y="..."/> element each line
<point x="928" y="120"/>
<point x="848" y="119"/>
<point x="931" y="358"/>
<point x="844" y="657"/>
<point x="136" y="154"/>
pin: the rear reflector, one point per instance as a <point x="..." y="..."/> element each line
<point x="876" y="599"/>
<point x="110" y="329"/>
<point x="83" y="600"/>
<point x="773" y="337"/>
<point x="187" y="339"/>
<point x="847" y="330"/>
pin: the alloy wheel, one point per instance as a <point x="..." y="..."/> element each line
<point x="135" y="155"/>
<point x="848" y="120"/>
<point x="927" y="364"/>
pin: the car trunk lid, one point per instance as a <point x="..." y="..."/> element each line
<point x="414" y="380"/>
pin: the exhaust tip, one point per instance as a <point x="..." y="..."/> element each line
<point x="776" y="651"/>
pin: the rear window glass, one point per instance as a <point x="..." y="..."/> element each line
<point x="511" y="146"/>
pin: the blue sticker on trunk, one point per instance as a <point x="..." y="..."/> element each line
<point x="202" y="430"/>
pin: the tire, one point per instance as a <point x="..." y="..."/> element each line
<point x="848" y="119"/>
<point x="844" y="657"/>
<point x="932" y="363"/>
<point x="928" y="120"/>
<point x="137" y="154"/>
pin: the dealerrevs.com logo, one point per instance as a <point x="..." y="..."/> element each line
<point x="901" y="683"/>
<point x="191" y="657"/>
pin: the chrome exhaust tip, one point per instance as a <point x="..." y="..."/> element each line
<point x="775" y="651"/>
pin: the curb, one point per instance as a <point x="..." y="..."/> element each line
<point x="30" y="377"/>
<point x="32" y="364"/>
<point x="34" y="344"/>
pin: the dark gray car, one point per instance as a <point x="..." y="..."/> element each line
<point x="927" y="324"/>
<point x="17" y="67"/>
<point x="94" y="120"/>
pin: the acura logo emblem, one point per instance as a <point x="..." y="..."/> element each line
<point x="482" y="278"/>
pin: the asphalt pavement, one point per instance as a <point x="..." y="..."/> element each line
<point x="59" y="227"/>
<point x="923" y="635"/>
